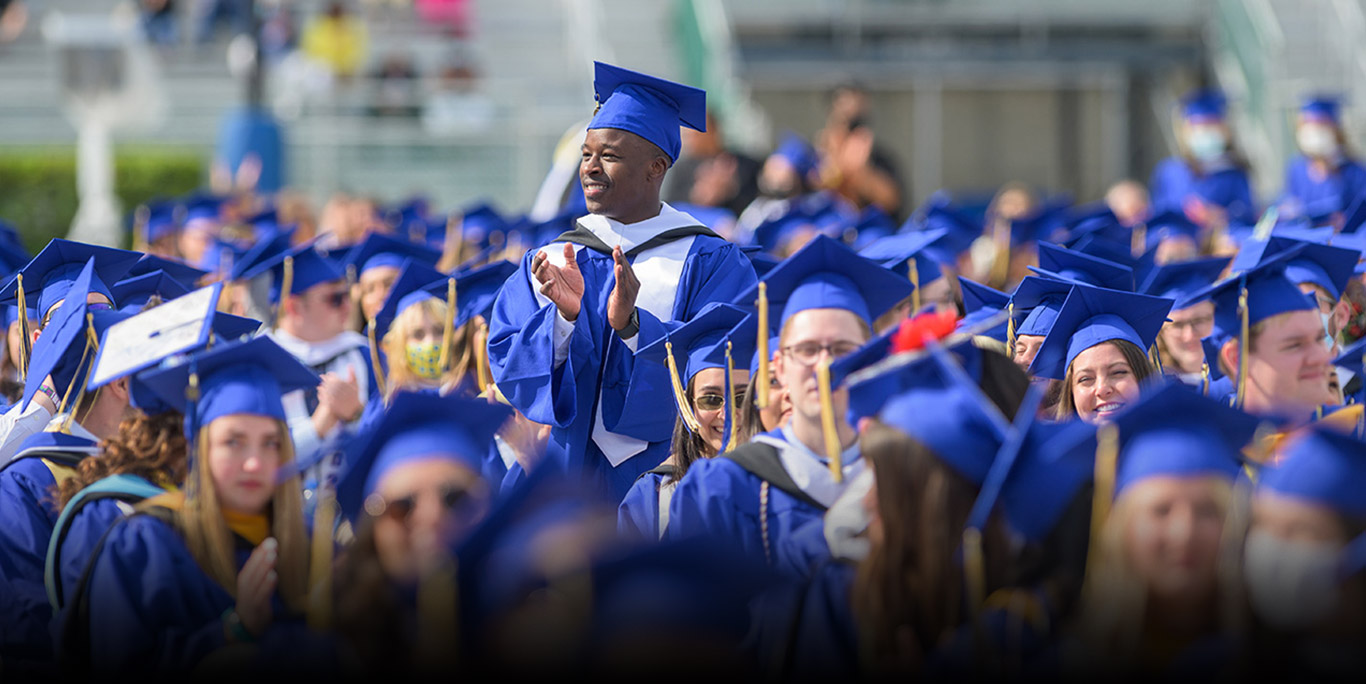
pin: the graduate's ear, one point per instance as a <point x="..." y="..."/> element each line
<point x="658" y="167"/>
<point x="119" y="388"/>
<point x="1228" y="358"/>
<point x="1342" y="313"/>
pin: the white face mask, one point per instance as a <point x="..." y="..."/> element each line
<point x="1327" y="330"/>
<point x="1292" y="584"/>
<point x="1206" y="143"/>
<point x="1317" y="140"/>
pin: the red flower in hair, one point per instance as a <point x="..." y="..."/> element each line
<point x="913" y="332"/>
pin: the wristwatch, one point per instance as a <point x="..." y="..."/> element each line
<point x="632" y="326"/>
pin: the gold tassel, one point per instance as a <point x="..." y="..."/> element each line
<point x="1107" y="456"/>
<point x="680" y="396"/>
<point x="1139" y="240"/>
<point x="974" y="565"/>
<point x="1000" y="271"/>
<point x="761" y="399"/>
<point x="141" y="217"/>
<point x="1010" y="329"/>
<point x="25" y="345"/>
<point x="730" y="399"/>
<point x="286" y="283"/>
<point x="915" y="283"/>
<point x="483" y="373"/>
<point x="448" y="333"/>
<point x="92" y="343"/>
<point x="1204" y="378"/>
<point x="1156" y="358"/>
<point x="832" y="438"/>
<point x="453" y="243"/>
<point x="320" y="563"/>
<point x="1242" y="349"/>
<point x="374" y="358"/>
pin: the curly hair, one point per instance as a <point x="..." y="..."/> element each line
<point x="151" y="447"/>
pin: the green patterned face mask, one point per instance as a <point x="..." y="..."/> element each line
<point x="424" y="359"/>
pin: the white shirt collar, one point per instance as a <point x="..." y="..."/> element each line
<point x="314" y="353"/>
<point x="628" y="235"/>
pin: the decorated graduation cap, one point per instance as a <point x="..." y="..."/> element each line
<point x="1323" y="265"/>
<point x="418" y="426"/>
<point x="1322" y="108"/>
<point x="1321" y="466"/>
<point x="1204" y="105"/>
<point x="871" y="376"/>
<point x="1092" y="315"/>
<point x="181" y="271"/>
<point x="696" y="341"/>
<point x="1065" y="264"/>
<point x="1181" y="281"/>
<point x="649" y="107"/>
<point x="380" y="250"/>
<point x="915" y="254"/>
<point x="822" y="275"/>
<point x="980" y="303"/>
<point x="134" y="293"/>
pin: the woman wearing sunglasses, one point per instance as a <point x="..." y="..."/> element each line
<point x="708" y="409"/>
<point x="222" y="562"/>
<point x="412" y="490"/>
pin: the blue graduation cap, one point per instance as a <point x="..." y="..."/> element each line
<point x="13" y="255"/>
<point x="298" y="269"/>
<point x="825" y="274"/>
<point x="715" y="218"/>
<point x="1322" y="107"/>
<point x="221" y="257"/>
<point x="477" y="289"/>
<point x="1172" y="430"/>
<point x="267" y="247"/>
<point x="1098" y="222"/>
<point x="1064" y="264"/>
<point x="649" y="107"/>
<point x="872" y="375"/>
<point x="1324" y="467"/>
<point x="762" y="261"/>
<point x="961" y="229"/>
<point x="50" y="274"/>
<point x="1269" y="293"/>
<point x="696" y="341"/>
<point x="243" y="377"/>
<point x="1180" y="281"/>
<point x="1093" y="315"/>
<point x="1169" y="225"/>
<point x="1323" y="265"/>
<point x="134" y="293"/>
<point x="871" y="224"/>
<point x="479" y="221"/>
<point x="204" y="207"/>
<point x="149" y="263"/>
<point x="408" y="289"/>
<point x="1036" y="302"/>
<point x="418" y="426"/>
<point x="915" y="254"/>
<point x="159" y="221"/>
<point x="380" y="250"/>
<point x="1355" y="216"/>
<point x="798" y="153"/>
<point x="1204" y="104"/>
<point x="981" y="303"/>
<point x="56" y="353"/>
<point x="1109" y="250"/>
<point x="145" y="339"/>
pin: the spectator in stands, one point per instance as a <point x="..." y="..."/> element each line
<point x="338" y="40"/>
<point x="1208" y="180"/>
<point x="237" y="14"/>
<point x="160" y="22"/>
<point x="457" y="106"/>
<point x="451" y="16"/>
<point x="13" y="19"/>
<point x="396" y="88"/>
<point x="710" y="175"/>
<point x="856" y="167"/>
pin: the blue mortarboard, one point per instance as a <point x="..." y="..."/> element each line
<point x="408" y="289"/>
<point x="827" y="275"/>
<point x="12" y="315"/>
<point x="1204" y="104"/>
<point x="1045" y="225"/>
<point x="1167" y="225"/>
<point x="243" y="377"/>
<point x="133" y="293"/>
<point x="50" y="274"/>
<point x="419" y="426"/>
<point x="649" y="107"/>
<point x="479" y="221"/>
<point x="176" y="327"/>
<point x="819" y="212"/>
<point x="799" y="153"/>
<point x="1326" y="266"/>
<point x="1179" y="281"/>
<point x="477" y="289"/>
<point x="762" y="261"/>
<point x="203" y="208"/>
<point x="1355" y="215"/>
<point x="379" y="250"/>
<point x="695" y="342"/>
<point x="938" y="212"/>
<point x="57" y="352"/>
<point x="871" y="224"/>
<point x="1093" y="315"/>
<point x="1097" y="222"/>
<point x="187" y="275"/>
<point x="1107" y="249"/>
<point x="1323" y="467"/>
<point x="268" y="247"/>
<point x="1173" y="431"/>
<point x="221" y="257"/>
<point x="1036" y="303"/>
<point x="872" y="373"/>
<point x="307" y="268"/>
<point x="1269" y="293"/>
<point x="1062" y="263"/>
<point x="715" y="218"/>
<point x="980" y="303"/>
<point x="13" y="255"/>
<point x="895" y="253"/>
<point x="1324" y="107"/>
<point x="161" y="220"/>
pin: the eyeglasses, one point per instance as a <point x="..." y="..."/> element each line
<point x="400" y="509"/>
<point x="715" y="402"/>
<point x="337" y="300"/>
<point x="99" y="306"/>
<point x="808" y="353"/>
<point x="1195" y="324"/>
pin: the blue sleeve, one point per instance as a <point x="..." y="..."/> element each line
<point x="711" y="500"/>
<point x="151" y="606"/>
<point x="522" y="351"/>
<point x="1170" y="185"/>
<point x="1241" y="206"/>
<point x="802" y="551"/>
<point x="638" y="514"/>
<point x="25" y="528"/>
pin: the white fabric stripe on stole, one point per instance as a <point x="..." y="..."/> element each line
<point x="811" y="473"/>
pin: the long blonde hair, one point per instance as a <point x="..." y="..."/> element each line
<point x="395" y="346"/>
<point x="206" y="531"/>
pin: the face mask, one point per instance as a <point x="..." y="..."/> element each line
<point x="1207" y="144"/>
<point x="1292" y="585"/>
<point x="1327" y="331"/>
<point x="424" y="359"/>
<point x="1317" y="141"/>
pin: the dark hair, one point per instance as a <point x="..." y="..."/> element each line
<point x="1138" y="363"/>
<point x="151" y="447"/>
<point x="688" y="446"/>
<point x="369" y="614"/>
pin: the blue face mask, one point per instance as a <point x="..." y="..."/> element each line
<point x="1327" y="331"/>
<point x="1206" y="144"/>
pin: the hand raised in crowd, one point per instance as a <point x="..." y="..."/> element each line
<point x="255" y="587"/>
<point x="622" y="303"/>
<point x="340" y="397"/>
<point x="563" y="285"/>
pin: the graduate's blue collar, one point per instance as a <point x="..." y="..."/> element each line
<point x="785" y="434"/>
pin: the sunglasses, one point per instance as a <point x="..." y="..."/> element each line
<point x="400" y="509"/>
<point x="714" y="402"/>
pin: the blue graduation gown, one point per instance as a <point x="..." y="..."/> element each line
<point x="1335" y="192"/>
<point x="152" y="609"/>
<point x="638" y="514"/>
<point x="28" y="513"/>
<point x="83" y="534"/>
<point x="636" y="397"/>
<point x="807" y="630"/>
<point x="1228" y="187"/>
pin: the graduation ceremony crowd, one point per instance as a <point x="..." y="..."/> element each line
<point x="794" y="439"/>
